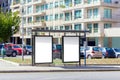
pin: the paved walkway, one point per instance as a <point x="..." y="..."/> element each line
<point x="7" y="66"/>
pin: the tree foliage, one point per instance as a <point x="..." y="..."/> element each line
<point x="7" y="20"/>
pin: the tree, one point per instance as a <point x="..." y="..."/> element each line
<point x="7" y="20"/>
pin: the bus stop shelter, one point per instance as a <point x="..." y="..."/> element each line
<point x="42" y="42"/>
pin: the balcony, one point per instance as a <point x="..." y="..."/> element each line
<point x="36" y="24"/>
<point x="113" y="19"/>
<point x="112" y="32"/>
<point x="15" y="5"/>
<point x="39" y="13"/>
<point x="39" y="2"/>
<point x="101" y="3"/>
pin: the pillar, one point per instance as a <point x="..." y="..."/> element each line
<point x="109" y="41"/>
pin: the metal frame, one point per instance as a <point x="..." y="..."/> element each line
<point x="55" y="31"/>
<point x="63" y="50"/>
<point x="33" y="55"/>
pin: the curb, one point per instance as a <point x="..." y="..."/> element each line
<point x="30" y="71"/>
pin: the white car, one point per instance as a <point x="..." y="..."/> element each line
<point x="117" y="52"/>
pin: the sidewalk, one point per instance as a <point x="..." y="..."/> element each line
<point x="10" y="67"/>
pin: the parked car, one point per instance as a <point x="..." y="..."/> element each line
<point x="28" y="49"/>
<point x="117" y="52"/>
<point x="57" y="51"/>
<point x="107" y="52"/>
<point x="93" y="52"/>
<point x="15" y="47"/>
<point x="11" y="52"/>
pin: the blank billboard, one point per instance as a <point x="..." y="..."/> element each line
<point x="43" y="49"/>
<point x="70" y="49"/>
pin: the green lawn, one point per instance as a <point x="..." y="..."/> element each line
<point x="19" y="60"/>
<point x="58" y="61"/>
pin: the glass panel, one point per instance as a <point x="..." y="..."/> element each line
<point x="89" y="26"/>
<point x="107" y="25"/>
<point x="77" y="2"/>
<point x="95" y="12"/>
<point x="107" y="13"/>
<point x="95" y="25"/>
<point x="77" y="14"/>
<point x="77" y="27"/>
<point x="108" y="1"/>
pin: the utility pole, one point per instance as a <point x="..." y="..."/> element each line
<point x="22" y="31"/>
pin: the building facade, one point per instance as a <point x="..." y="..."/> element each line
<point x="101" y="17"/>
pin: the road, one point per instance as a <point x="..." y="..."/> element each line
<point x="61" y="76"/>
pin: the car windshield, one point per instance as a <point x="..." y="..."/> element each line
<point x="29" y="46"/>
<point x="117" y="50"/>
<point x="15" y="46"/>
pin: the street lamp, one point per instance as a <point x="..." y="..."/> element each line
<point x="22" y="28"/>
<point x="13" y="27"/>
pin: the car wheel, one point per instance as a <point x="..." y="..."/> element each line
<point x="14" y="54"/>
<point x="103" y="56"/>
<point x="28" y="53"/>
<point x="118" y="56"/>
<point x="89" y="56"/>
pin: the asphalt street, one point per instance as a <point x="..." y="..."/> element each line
<point x="61" y="76"/>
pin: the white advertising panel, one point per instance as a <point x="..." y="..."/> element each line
<point x="43" y="49"/>
<point x="71" y="49"/>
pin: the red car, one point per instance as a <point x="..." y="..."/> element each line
<point x="15" y="47"/>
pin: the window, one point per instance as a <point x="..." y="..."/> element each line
<point x="67" y="16"/>
<point x="56" y="16"/>
<point x="95" y="26"/>
<point x="29" y="1"/>
<point x="50" y="5"/>
<point x="95" y="1"/>
<point x="29" y="10"/>
<point x="95" y="12"/>
<point x="46" y="18"/>
<point x="66" y="27"/>
<point x="56" y="4"/>
<point x="38" y="19"/>
<point x="61" y="27"/>
<point x="77" y="27"/>
<point x="77" y="2"/>
<point x="29" y="31"/>
<point x="89" y="13"/>
<point x="24" y="20"/>
<point x="51" y="17"/>
<point x="108" y="1"/>
<point x="61" y="2"/>
<point x="89" y="26"/>
<point x="107" y="13"/>
<point x="51" y="27"/>
<point x="56" y="27"/>
<point x="107" y="25"/>
<point x="29" y="19"/>
<point x="38" y="9"/>
<point x="68" y="3"/>
<point x="42" y="7"/>
<point x="61" y="16"/>
<point x="77" y="14"/>
<point x="46" y="6"/>
<point x="89" y="1"/>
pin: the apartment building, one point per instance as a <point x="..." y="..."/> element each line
<point x="5" y="5"/>
<point x="101" y="17"/>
